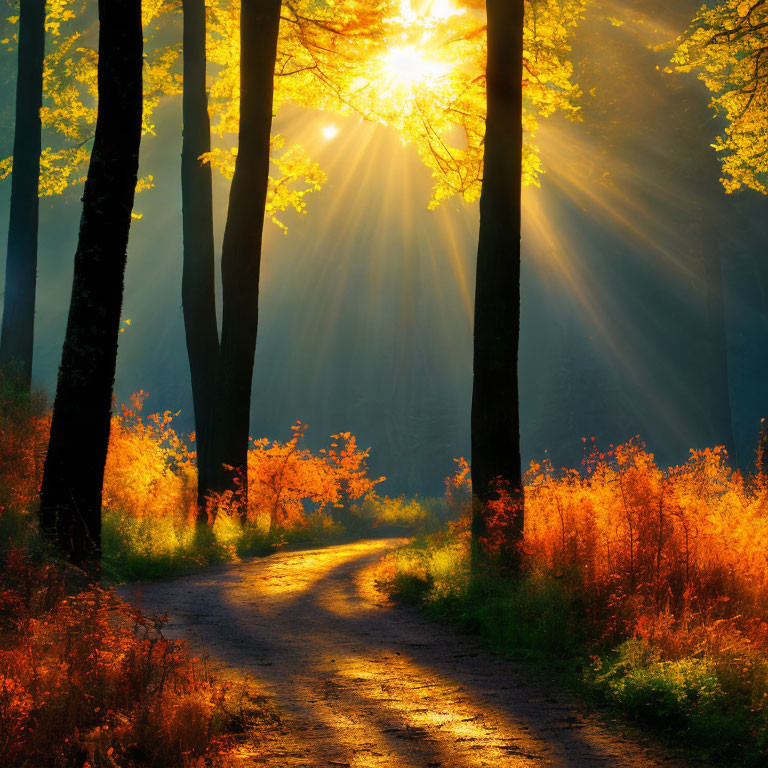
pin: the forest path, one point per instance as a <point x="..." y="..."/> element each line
<point x="360" y="682"/>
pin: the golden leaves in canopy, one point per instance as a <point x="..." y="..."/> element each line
<point x="415" y="65"/>
<point x="68" y="114"/>
<point x="727" y="46"/>
<point x="69" y="109"/>
<point x="297" y="176"/>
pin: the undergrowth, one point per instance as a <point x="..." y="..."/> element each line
<point x="149" y="517"/>
<point x="88" y="680"/>
<point x="647" y="589"/>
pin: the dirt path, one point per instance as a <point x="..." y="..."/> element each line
<point x="359" y="682"/>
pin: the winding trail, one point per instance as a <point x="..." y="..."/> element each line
<point x="360" y="682"/>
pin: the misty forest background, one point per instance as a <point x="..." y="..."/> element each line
<point x="635" y="262"/>
<point x="634" y="576"/>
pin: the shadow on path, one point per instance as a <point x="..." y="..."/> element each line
<point x="360" y="682"/>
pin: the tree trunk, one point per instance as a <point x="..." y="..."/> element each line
<point x="496" y="477"/>
<point x="198" y="290"/>
<point x="70" y="502"/>
<point x="241" y="251"/>
<point x="21" y="265"/>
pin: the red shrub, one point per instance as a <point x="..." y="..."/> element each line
<point x="87" y="679"/>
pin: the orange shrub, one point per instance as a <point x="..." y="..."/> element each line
<point x="150" y="489"/>
<point x="24" y="427"/>
<point x="150" y="470"/>
<point x="89" y="680"/>
<point x="653" y="552"/>
<point x="646" y="542"/>
<point x="284" y="479"/>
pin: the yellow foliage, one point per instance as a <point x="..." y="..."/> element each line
<point x="726" y="46"/>
<point x="297" y="176"/>
<point x="419" y="70"/>
<point x="70" y="89"/>
<point x="417" y="67"/>
<point x="150" y="470"/>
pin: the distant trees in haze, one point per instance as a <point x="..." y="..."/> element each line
<point x="726" y="45"/>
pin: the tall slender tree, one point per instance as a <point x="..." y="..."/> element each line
<point x="198" y="274"/>
<point x="241" y="249"/>
<point x="17" y="334"/>
<point x="221" y="371"/>
<point x="70" y="505"/>
<point x="497" y="518"/>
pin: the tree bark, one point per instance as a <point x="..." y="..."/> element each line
<point x="17" y="335"/>
<point x="198" y="285"/>
<point x="241" y="250"/>
<point x="70" y="502"/>
<point x="495" y="410"/>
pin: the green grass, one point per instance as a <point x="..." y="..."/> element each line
<point x="152" y="548"/>
<point x="715" y="706"/>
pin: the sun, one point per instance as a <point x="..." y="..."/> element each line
<point x="407" y="66"/>
<point x="329" y="132"/>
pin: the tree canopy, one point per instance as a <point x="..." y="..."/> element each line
<point x="417" y="67"/>
<point x="726" y="46"/>
<point x="69" y="108"/>
<point x="69" y="101"/>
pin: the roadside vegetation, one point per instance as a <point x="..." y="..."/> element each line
<point x="87" y="679"/>
<point x="646" y="588"/>
<point x="149" y="517"/>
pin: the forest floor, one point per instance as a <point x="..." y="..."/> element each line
<point x="353" y="680"/>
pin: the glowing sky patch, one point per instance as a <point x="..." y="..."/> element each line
<point x="329" y="132"/>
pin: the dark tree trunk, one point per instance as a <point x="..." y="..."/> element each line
<point x="198" y="290"/>
<point x="70" y="501"/>
<point x="21" y="265"/>
<point x="495" y="415"/>
<point x="241" y="250"/>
